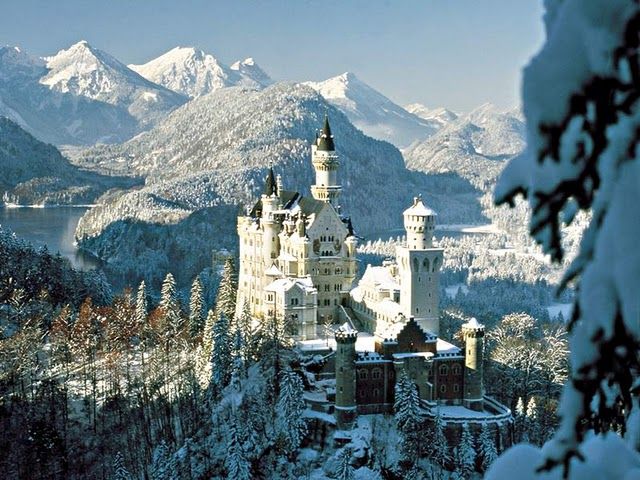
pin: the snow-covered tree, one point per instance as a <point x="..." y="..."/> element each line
<point x="170" y="305"/>
<point x="466" y="453"/>
<point x="583" y="135"/>
<point x="141" y="306"/>
<point x="221" y="358"/>
<point x="345" y="470"/>
<point x="408" y="418"/>
<point x="196" y="306"/>
<point x="439" y="447"/>
<point x="532" y="422"/>
<point x="163" y="464"/>
<point x="120" y="472"/>
<point x="487" y="446"/>
<point x="519" y="418"/>
<point x="290" y="422"/>
<point x="226" y="297"/>
<point x="236" y="463"/>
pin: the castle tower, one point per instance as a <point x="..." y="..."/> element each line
<point x="345" y="376"/>
<point x="419" y="268"/>
<point x="325" y="162"/>
<point x="270" y="226"/>
<point x="473" y="333"/>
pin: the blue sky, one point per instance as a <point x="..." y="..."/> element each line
<point x="453" y="53"/>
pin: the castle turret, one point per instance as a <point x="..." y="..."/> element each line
<point x="473" y="333"/>
<point x="270" y="226"/>
<point x="419" y="268"/>
<point x="346" y="409"/>
<point x="325" y="162"/>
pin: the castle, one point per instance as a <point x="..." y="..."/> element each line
<point x="298" y="263"/>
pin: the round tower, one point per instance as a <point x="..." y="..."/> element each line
<point x="473" y="333"/>
<point x="419" y="266"/>
<point x="270" y="226"/>
<point x="325" y="162"/>
<point x="346" y="409"/>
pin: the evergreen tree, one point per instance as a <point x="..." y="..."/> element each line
<point x="408" y="418"/>
<point x="120" y="472"/>
<point x="170" y="306"/>
<point x="204" y="351"/>
<point x="487" y="446"/>
<point x="196" y="305"/>
<point x="163" y="466"/>
<point x="345" y="469"/>
<point x="520" y="420"/>
<point x="249" y="336"/>
<point x="532" y="423"/>
<point x="142" y="306"/>
<point x="466" y="461"/>
<point x="236" y="463"/>
<point x="226" y="297"/>
<point x="290" y="423"/>
<point x="221" y="359"/>
<point x="439" y="450"/>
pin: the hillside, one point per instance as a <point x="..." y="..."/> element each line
<point x="214" y="152"/>
<point x="372" y="112"/>
<point x="35" y="172"/>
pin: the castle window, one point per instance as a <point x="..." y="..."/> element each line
<point x="444" y="370"/>
<point x="456" y="388"/>
<point x="443" y="389"/>
<point x="376" y="373"/>
<point x="376" y="393"/>
<point x="363" y="374"/>
<point x="455" y="370"/>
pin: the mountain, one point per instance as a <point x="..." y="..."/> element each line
<point x="34" y="172"/>
<point x="192" y="72"/>
<point x="85" y="71"/>
<point x="441" y="115"/>
<point x="79" y="96"/>
<point x="207" y="160"/>
<point x="475" y="146"/>
<point x="372" y="112"/>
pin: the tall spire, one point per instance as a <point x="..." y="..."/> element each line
<point x="270" y="186"/>
<point x="325" y="141"/>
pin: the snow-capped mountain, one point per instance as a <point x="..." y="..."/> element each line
<point x="475" y="146"/>
<point x="79" y="96"/>
<point x="192" y="72"/>
<point x="250" y="71"/>
<point x="441" y="115"/>
<point x="85" y="71"/>
<point x="374" y="113"/>
<point x="221" y="159"/>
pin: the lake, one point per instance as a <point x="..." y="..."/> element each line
<point x="53" y="227"/>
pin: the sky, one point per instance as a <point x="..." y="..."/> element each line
<point x="452" y="53"/>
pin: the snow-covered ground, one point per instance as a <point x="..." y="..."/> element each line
<point x="555" y="308"/>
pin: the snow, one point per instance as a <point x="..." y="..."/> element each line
<point x="365" y="342"/>
<point x="445" y="348"/>
<point x="420" y="209"/>
<point x="452" y="290"/>
<point x="457" y="411"/>
<point x="605" y="457"/>
<point x="556" y="308"/>
<point x="473" y="323"/>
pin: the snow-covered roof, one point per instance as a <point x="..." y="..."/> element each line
<point x="286" y="284"/>
<point x="419" y="208"/>
<point x="346" y="328"/>
<point x="473" y="323"/>
<point x="380" y="277"/>
<point x="273" y="271"/>
<point x="400" y="356"/>
<point x="286" y="257"/>
<point x="445" y="348"/>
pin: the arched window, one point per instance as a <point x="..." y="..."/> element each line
<point x="416" y="265"/>
<point x="363" y="374"/>
<point x="425" y="264"/>
<point x="443" y="389"/>
<point x="376" y="373"/>
<point x="455" y="370"/>
<point x="444" y="370"/>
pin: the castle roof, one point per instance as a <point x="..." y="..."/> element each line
<point x="446" y="349"/>
<point x="285" y="284"/>
<point x="325" y="140"/>
<point x="419" y="208"/>
<point x="288" y="199"/>
<point x="270" y="185"/>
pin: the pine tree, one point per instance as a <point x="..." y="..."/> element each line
<point x="407" y="403"/>
<point x="226" y="297"/>
<point x="221" y="359"/>
<point x="142" y="306"/>
<point x="236" y="463"/>
<point x="163" y="465"/>
<point x="487" y="446"/>
<point x="345" y="469"/>
<point x="466" y="462"/>
<point x="290" y="423"/>
<point x="170" y="306"/>
<point x="120" y="472"/>
<point x="196" y="305"/>
<point x="245" y="324"/>
<point x="532" y="423"/>
<point x="439" y="450"/>
<point x="520" y="421"/>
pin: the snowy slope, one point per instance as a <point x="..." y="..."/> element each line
<point x="374" y="113"/>
<point x="192" y="72"/>
<point x="85" y="71"/>
<point x="441" y="115"/>
<point x="475" y="146"/>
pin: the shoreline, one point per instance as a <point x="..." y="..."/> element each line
<point x="12" y="206"/>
